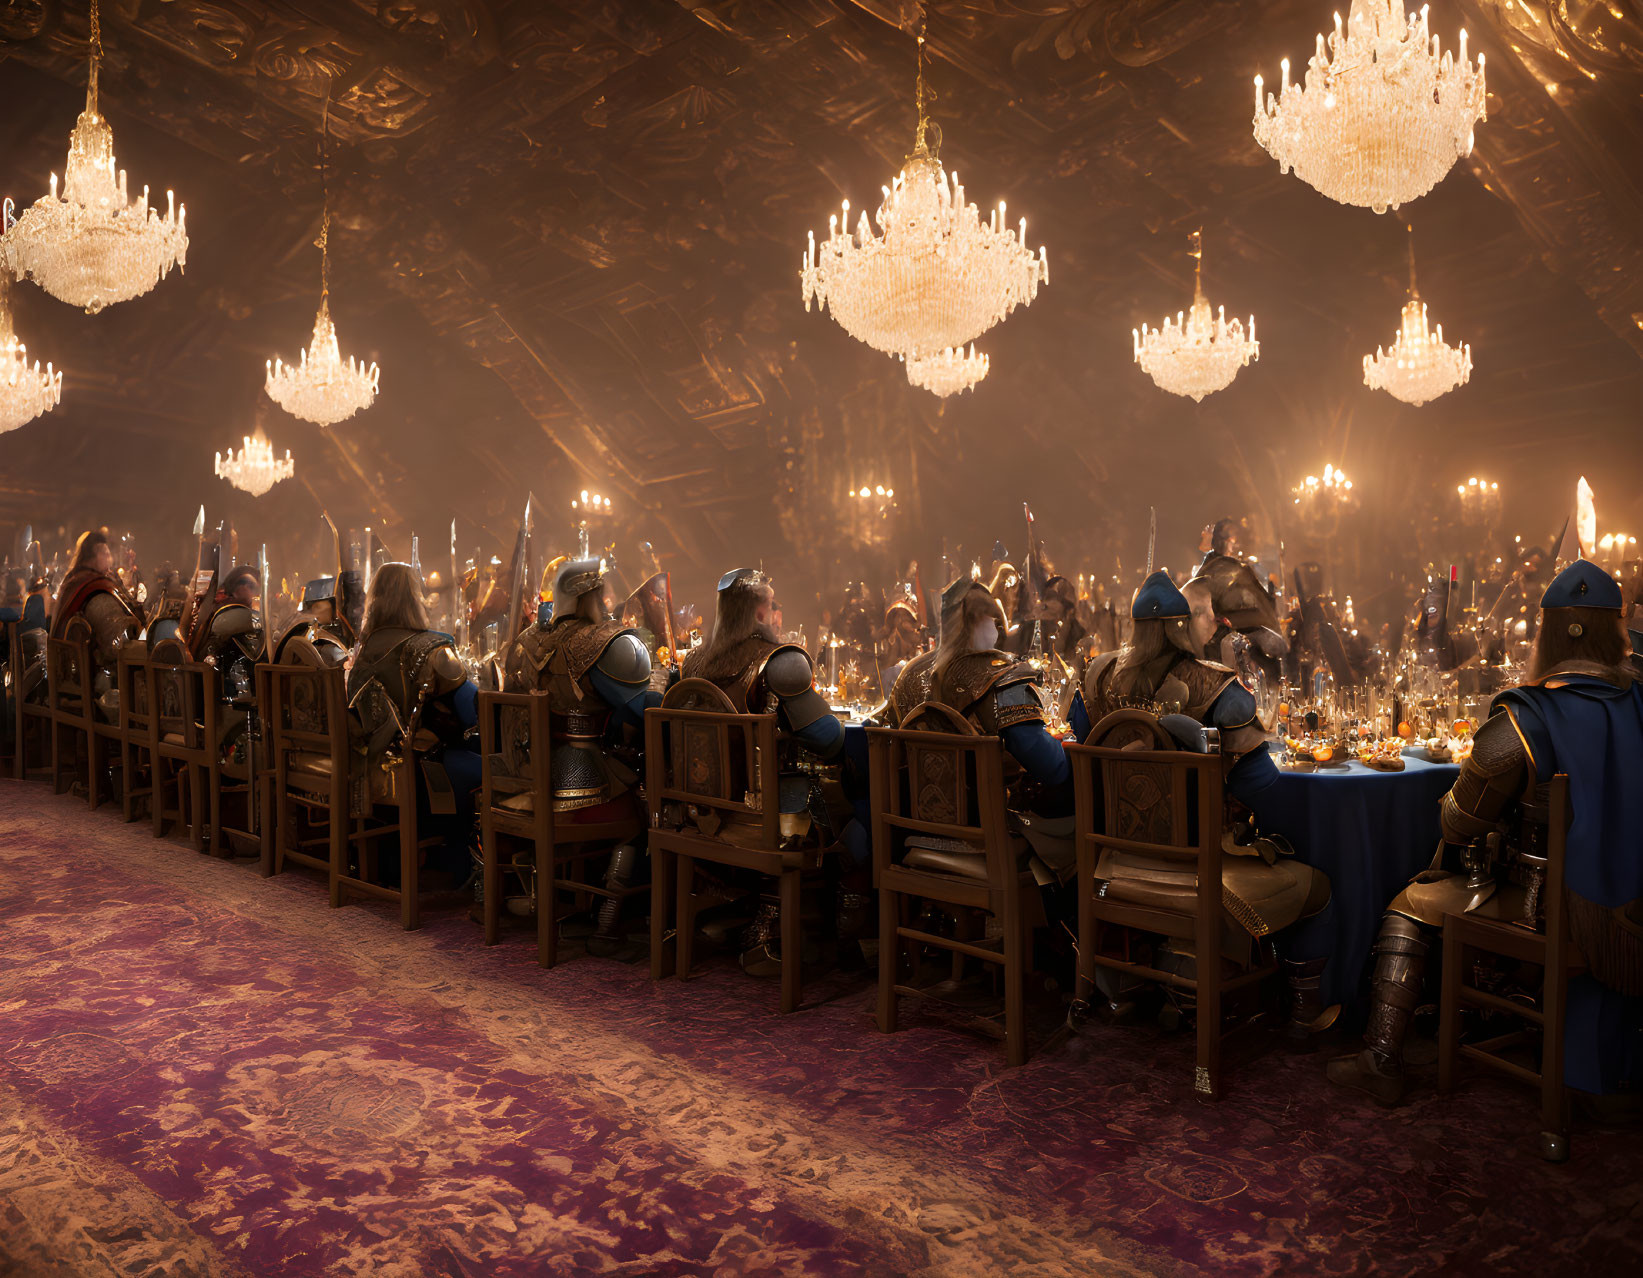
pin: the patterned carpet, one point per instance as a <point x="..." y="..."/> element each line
<point x="203" y="1072"/>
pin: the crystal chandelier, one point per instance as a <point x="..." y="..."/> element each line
<point x="321" y="387"/>
<point x="254" y="469"/>
<point x="1382" y="117"/>
<point x="25" y="391"/>
<point x="93" y="245"/>
<point x="1198" y="352"/>
<point x="947" y="372"/>
<point x="1418" y="366"/>
<point x="933" y="275"/>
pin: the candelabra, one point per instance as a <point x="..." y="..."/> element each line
<point x="869" y="512"/>
<point x="1382" y="117"/>
<point x="1479" y="502"/>
<point x="586" y="509"/>
<point x="1325" y="498"/>
<point x="1615" y="549"/>
<point x="254" y="469"/>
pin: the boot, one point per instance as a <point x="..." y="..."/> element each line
<point x="854" y="923"/>
<point x="1307" y="1013"/>
<point x="608" y="938"/>
<point x="1400" y="959"/>
<point x="761" y="943"/>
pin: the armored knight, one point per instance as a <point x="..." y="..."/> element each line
<point x="1436" y="643"/>
<point x="321" y="621"/>
<point x="597" y="674"/>
<point x="403" y="668"/>
<point x="93" y="591"/>
<point x="229" y="635"/>
<point x="1243" y="607"/>
<point x="750" y="664"/>
<point x="1581" y="714"/>
<point x="759" y="674"/>
<point x="1265" y="889"/>
<point x="899" y="641"/>
<point x="998" y="694"/>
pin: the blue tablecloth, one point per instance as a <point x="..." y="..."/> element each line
<point x="1370" y="832"/>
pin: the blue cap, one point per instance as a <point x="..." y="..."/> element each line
<point x="1159" y="599"/>
<point x="1583" y="585"/>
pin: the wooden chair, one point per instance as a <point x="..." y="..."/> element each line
<point x="74" y="718"/>
<point x="1550" y="950"/>
<point x="725" y="767"/>
<point x="32" y="719"/>
<point x="182" y="719"/>
<point x="316" y="769"/>
<point x="938" y="789"/>
<point x="11" y="684"/>
<point x="68" y="695"/>
<point x="516" y="799"/>
<point x="237" y="778"/>
<point x="1165" y="804"/>
<point x="307" y="731"/>
<point x="136" y="729"/>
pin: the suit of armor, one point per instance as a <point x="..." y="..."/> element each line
<point x="1240" y="597"/>
<point x="760" y="677"/>
<point x="597" y="677"/>
<point x="913" y="687"/>
<point x="101" y="600"/>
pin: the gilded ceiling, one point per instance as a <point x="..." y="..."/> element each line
<point x="570" y="232"/>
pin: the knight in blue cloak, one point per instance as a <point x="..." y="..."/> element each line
<point x="1580" y="714"/>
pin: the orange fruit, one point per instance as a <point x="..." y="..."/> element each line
<point x="1406" y="729"/>
<point x="1323" y="754"/>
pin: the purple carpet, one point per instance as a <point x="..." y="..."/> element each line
<point x="205" y="1072"/>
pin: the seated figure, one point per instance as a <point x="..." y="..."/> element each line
<point x="402" y="665"/>
<point x="93" y="591"/>
<point x="1581" y="714"/>
<point x="999" y="695"/>
<point x="596" y="672"/>
<point x="746" y="659"/>
<point x="1266" y="890"/>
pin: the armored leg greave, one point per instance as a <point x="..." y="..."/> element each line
<point x="1400" y="961"/>
<point x="1307" y="1013"/>
<point x="608" y="931"/>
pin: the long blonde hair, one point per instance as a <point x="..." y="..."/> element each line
<point x="395" y="600"/>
